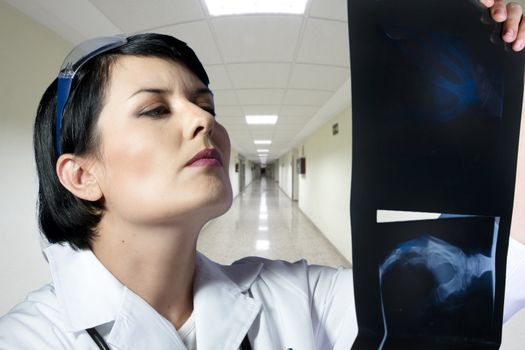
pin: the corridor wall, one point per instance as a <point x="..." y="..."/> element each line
<point x="29" y="58"/>
<point x="285" y="173"/>
<point x="234" y="176"/>
<point x="324" y="191"/>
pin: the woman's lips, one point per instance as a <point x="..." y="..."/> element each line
<point x="206" y="157"/>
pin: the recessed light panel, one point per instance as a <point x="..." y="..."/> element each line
<point x="261" y="119"/>
<point x="262" y="142"/>
<point x="240" y="7"/>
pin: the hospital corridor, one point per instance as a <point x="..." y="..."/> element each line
<point x="261" y="99"/>
<point x="264" y="221"/>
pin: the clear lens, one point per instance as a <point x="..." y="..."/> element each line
<point x="73" y="61"/>
<point x="87" y="50"/>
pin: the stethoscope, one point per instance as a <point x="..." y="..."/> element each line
<point x="102" y="345"/>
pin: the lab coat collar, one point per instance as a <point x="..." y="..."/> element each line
<point x="222" y="307"/>
<point x="89" y="295"/>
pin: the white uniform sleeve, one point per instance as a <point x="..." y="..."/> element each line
<point x="36" y="324"/>
<point x="515" y="285"/>
<point x="333" y="308"/>
<point x="24" y="328"/>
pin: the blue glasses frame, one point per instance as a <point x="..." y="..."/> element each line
<point x="81" y="54"/>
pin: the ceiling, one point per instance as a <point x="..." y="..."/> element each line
<point x="295" y="66"/>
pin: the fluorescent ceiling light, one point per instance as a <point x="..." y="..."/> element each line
<point x="261" y="119"/>
<point x="263" y="150"/>
<point x="262" y="142"/>
<point x="238" y="7"/>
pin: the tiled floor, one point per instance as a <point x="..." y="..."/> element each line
<point x="263" y="221"/>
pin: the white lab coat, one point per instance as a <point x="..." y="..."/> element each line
<point x="280" y="305"/>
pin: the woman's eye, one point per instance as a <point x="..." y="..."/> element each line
<point x="156" y="112"/>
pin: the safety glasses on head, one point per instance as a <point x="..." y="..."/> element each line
<point x="81" y="54"/>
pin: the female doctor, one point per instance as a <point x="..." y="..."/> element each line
<point x="131" y="165"/>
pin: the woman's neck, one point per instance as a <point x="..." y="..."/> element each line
<point x="156" y="263"/>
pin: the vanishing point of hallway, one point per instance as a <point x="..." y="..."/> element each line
<point x="264" y="221"/>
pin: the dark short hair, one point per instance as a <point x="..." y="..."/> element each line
<point x="62" y="216"/>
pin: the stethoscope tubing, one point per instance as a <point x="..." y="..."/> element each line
<point x="97" y="338"/>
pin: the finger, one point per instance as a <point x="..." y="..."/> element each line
<point x="487" y="3"/>
<point x="499" y="11"/>
<point x="511" y="25"/>
<point x="519" y="44"/>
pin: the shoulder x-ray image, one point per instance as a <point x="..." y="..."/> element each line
<point x="436" y="114"/>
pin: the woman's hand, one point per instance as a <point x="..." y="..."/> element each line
<point x="511" y="15"/>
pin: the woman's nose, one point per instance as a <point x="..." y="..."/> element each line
<point x="199" y="122"/>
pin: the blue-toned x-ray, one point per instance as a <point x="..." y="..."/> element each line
<point x="432" y="277"/>
<point x="455" y="81"/>
<point x="436" y="107"/>
<point x="451" y="269"/>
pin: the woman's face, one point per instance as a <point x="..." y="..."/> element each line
<point x="157" y="116"/>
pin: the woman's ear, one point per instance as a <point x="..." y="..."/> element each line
<point x="77" y="175"/>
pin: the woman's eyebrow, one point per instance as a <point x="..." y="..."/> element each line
<point x="151" y="91"/>
<point x="202" y="91"/>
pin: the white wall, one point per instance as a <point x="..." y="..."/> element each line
<point x="272" y="171"/>
<point x="30" y="56"/>
<point x="248" y="173"/>
<point x="285" y="173"/>
<point x="324" y="191"/>
<point x="295" y="175"/>
<point x="234" y="177"/>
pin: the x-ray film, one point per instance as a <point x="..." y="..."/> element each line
<point x="436" y="106"/>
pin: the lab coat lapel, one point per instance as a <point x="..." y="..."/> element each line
<point x="223" y="309"/>
<point x="88" y="294"/>
<point x="139" y="326"/>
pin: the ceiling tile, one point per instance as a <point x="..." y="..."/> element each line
<point x="283" y="137"/>
<point x="218" y="77"/>
<point x="290" y="126"/>
<point x="260" y="96"/>
<point x="248" y="38"/>
<point x="225" y="98"/>
<point x="261" y="110"/>
<point x="198" y="36"/>
<point x="306" y="97"/>
<point x="138" y="15"/>
<point x="259" y="75"/>
<point x="246" y="139"/>
<point x="325" y="42"/>
<point x="311" y="76"/>
<point x="333" y="9"/>
<point x="71" y="20"/>
<point x="262" y="135"/>
<point x="230" y="121"/>
<point x="303" y="111"/>
<point x="229" y="111"/>
<point x="262" y="128"/>
<point x="296" y="120"/>
<point x="232" y="130"/>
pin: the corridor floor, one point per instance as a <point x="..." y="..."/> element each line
<point x="264" y="221"/>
